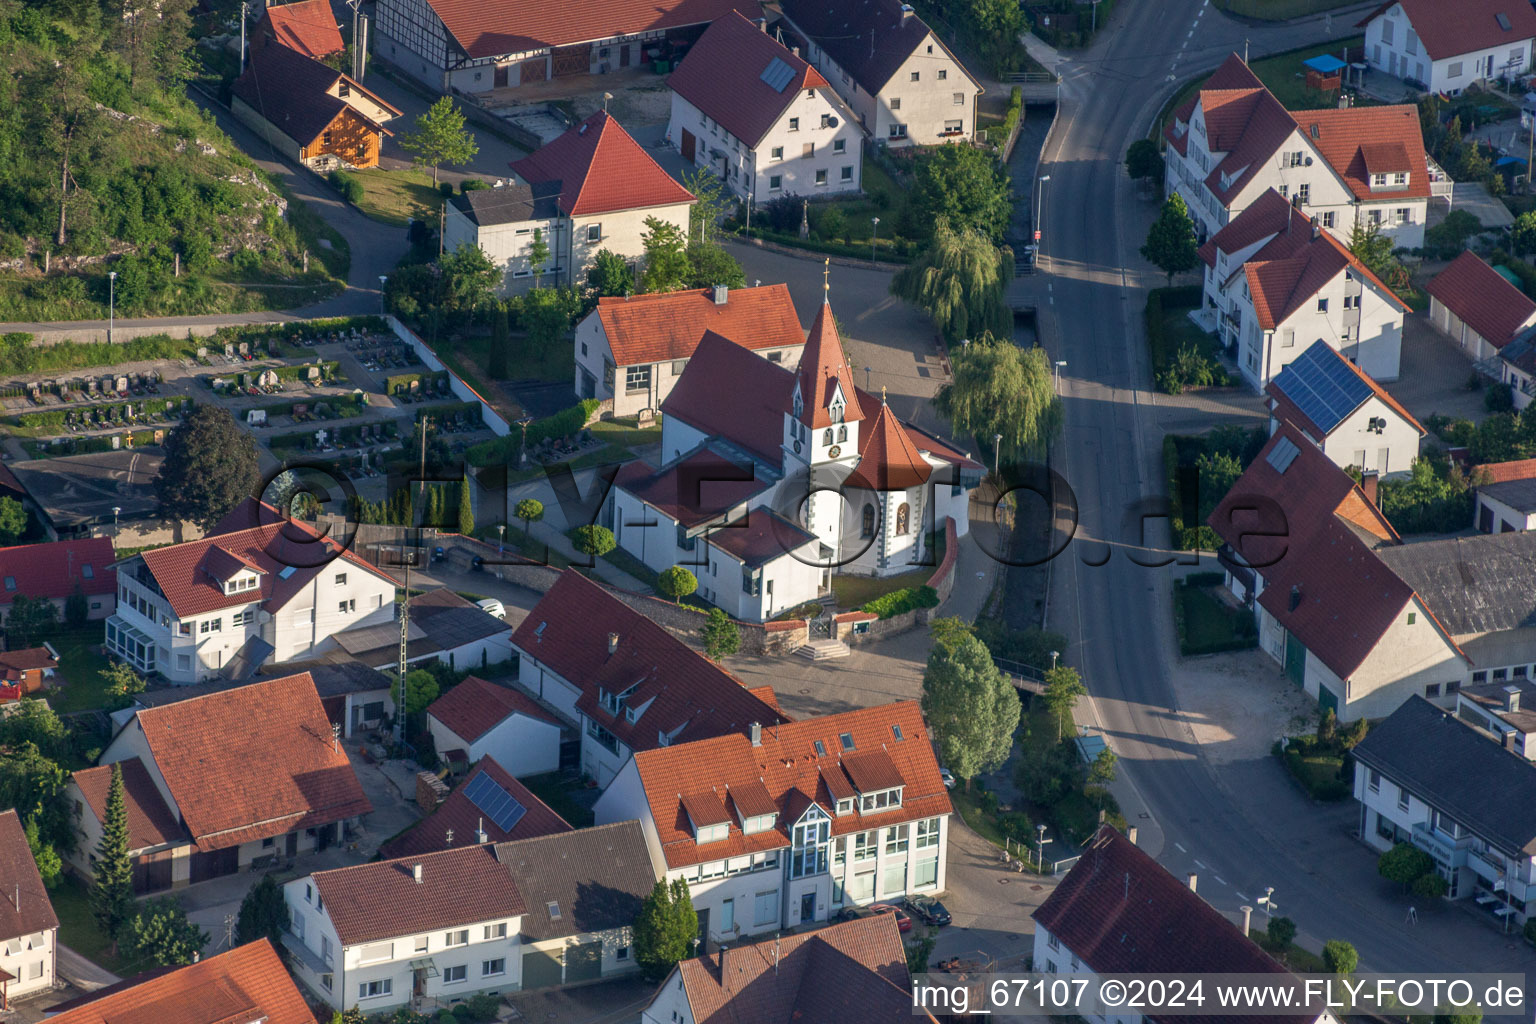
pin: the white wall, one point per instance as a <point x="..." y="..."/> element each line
<point x="547" y="685"/>
<point x="520" y="744"/>
<point x="670" y="1004"/>
<point x="1403" y="56"/>
<point x="1390" y="453"/>
<point x="508" y="246"/>
<point x="925" y="107"/>
<point x="494" y="420"/>
<point x="32" y="964"/>
<point x="618" y="231"/>
<point x="1377" y="351"/>
<point x="1505" y="517"/>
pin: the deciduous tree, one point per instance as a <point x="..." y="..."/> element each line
<point x="960" y="281"/>
<point x="1340" y="957"/>
<point x="711" y="204"/>
<point x="1143" y="161"/>
<point x="538" y="255"/>
<point x="665" y="930"/>
<point x="122" y="683"/>
<point x="722" y="637"/>
<point x="210" y="466"/>
<point x="13" y="520"/>
<point x="160" y="935"/>
<point x="999" y="388"/>
<point x="962" y="185"/>
<point x="677" y="582"/>
<point x="972" y="708"/>
<point x="530" y="511"/>
<point x="263" y="913"/>
<point x="593" y="540"/>
<point x="1281" y="932"/>
<point x="49" y="864"/>
<point x="666" y="257"/>
<point x="610" y="274"/>
<point x="1403" y="864"/>
<point x="440" y="138"/>
<point x="30" y="621"/>
<point x="1170" y="245"/>
<point x="421" y="689"/>
<point x="1063" y="688"/>
<point x="710" y="264"/>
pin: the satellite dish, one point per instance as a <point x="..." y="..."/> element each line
<point x="832" y="122"/>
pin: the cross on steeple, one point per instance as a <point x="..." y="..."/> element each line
<point x="882" y="394"/>
<point x="826" y="280"/>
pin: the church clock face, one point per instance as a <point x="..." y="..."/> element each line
<point x="834" y="451"/>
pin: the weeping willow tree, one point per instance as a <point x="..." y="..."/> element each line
<point x="959" y="281"/>
<point x="1000" y="388"/>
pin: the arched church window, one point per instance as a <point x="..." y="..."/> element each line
<point x="842" y="434"/>
<point x="826" y="436"/>
<point x="869" y="522"/>
<point x="903" y="514"/>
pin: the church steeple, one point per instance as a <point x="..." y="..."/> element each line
<point x="824" y="380"/>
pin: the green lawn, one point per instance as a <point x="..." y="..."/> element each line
<point x="80" y="666"/>
<point x="396" y="197"/>
<point x="1207" y="624"/>
<point x="469" y="358"/>
<point x="71" y="901"/>
<point x="857" y="591"/>
<point x="967" y="804"/>
<point x="555" y="791"/>
<point x="626" y="432"/>
<point x="1282" y="74"/>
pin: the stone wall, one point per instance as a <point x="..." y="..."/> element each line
<point x="862" y="627"/>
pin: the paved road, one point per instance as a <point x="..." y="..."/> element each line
<point x="1245" y="828"/>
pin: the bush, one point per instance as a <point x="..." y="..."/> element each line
<point x="1016" y="826"/>
<point x="349" y="185"/>
<point x="1404" y="864"/>
<point x="472" y="185"/>
<point x="593" y="540"/>
<point x="1430" y="886"/>
<point x="1174" y="371"/>
<point x="446" y="188"/>
<point x="1340" y="957"/>
<point x="1281" y="932"/>
<point x="502" y="450"/>
<point x="1499" y="398"/>
<point x="905" y="600"/>
<point x="1031" y="647"/>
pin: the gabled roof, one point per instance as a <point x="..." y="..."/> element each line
<point x="1303" y="527"/>
<point x="248" y="983"/>
<point x="1319" y="389"/>
<point x="587" y="880"/>
<point x="888" y="460"/>
<point x="289" y="90"/>
<point x="31" y="911"/>
<point x="150" y="821"/>
<point x="701" y="486"/>
<point x="55" y="570"/>
<point x="1482" y="299"/>
<point x="1233" y="76"/>
<point x="290" y="552"/>
<point x="824" y="377"/>
<point x="513" y="203"/>
<point x="505" y="27"/>
<point x="28" y="658"/>
<point x="205" y="747"/>
<point x="1477" y="584"/>
<point x="1343" y="138"/>
<point x="924" y="442"/>
<point x="1447" y="29"/>
<point x="476" y="706"/>
<point x="382" y="900"/>
<point x="1269" y="217"/>
<point x="674" y="690"/>
<point x="1505" y="472"/>
<point x="668" y="325"/>
<point x="1457" y="769"/>
<point x="599" y="168"/>
<point x="1120" y="912"/>
<point x="869" y="39"/>
<point x="461" y="816"/>
<point x="1280" y="287"/>
<point x="307" y="26"/>
<point x="788" y="765"/>
<point x="853" y="973"/>
<point x="727" y="74"/>
<point x="755" y="539"/>
<point x="750" y="413"/>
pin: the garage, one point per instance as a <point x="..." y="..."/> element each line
<point x="152" y="872"/>
<point x="583" y="962"/>
<point x="215" y="864"/>
<point x="541" y="969"/>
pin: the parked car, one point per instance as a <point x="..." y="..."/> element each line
<point x="854" y="913"/>
<point x="928" y="910"/>
<point x="493" y="606"/>
<point x="903" y="919"/>
<point x="948" y="777"/>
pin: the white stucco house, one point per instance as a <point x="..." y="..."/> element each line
<point x="1476" y="307"/>
<point x="479" y="718"/>
<point x="1339" y="408"/>
<point x="590" y="189"/>
<point x="906" y="86"/>
<point x="1504" y="496"/>
<point x="633" y="348"/>
<point x="29" y="928"/>
<point x="789" y="824"/>
<point x="1443" y="48"/>
<point x="1234" y="141"/>
<point x="762" y="118"/>
<point x="432" y="929"/>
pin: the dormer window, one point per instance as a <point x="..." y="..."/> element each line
<point x="710" y="833"/>
<point x="885" y="798"/>
<point x="758" y="823"/>
<point x="845" y="806"/>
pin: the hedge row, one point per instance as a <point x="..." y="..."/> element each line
<point x="905" y="600"/>
<point x="505" y="450"/>
<point x="59" y="417"/>
<point x="329" y="370"/>
<point x="403" y="380"/>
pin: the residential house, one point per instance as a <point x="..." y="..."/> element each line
<point x="647" y="340"/>
<point x="1517" y="367"/>
<point x="431" y="929"/>
<point x="226" y="604"/>
<point x="479" y="718"/>
<point x="29" y="929"/>
<point x="1339" y="408"/>
<point x="853" y="973"/>
<point x="57" y="571"/>
<point x="869" y="487"/>
<point x="1505" y="710"/>
<point x="1119" y="912"/>
<point x="763" y="119"/>
<point x="246" y="983"/>
<point x="1427" y="778"/>
<point x="1357" y="165"/>
<point x="444" y="628"/>
<point x="1504" y="496"/>
<point x="905" y="85"/>
<point x="208" y="813"/>
<point x="474" y="48"/>
<point x="591" y="189"/>
<point x="1443" y="48"/>
<point x="473" y="809"/>
<point x="788" y="824"/>
<point x="26" y="671"/>
<point x="100" y="494"/>
<point x="627" y="683"/>
<point x="306" y="26"/>
<point x="1473" y="305"/>
<point x="308" y="111"/>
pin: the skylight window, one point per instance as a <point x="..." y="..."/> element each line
<point x="288" y="571"/>
<point x="896" y="731"/>
<point x="821" y="749"/>
<point x="847" y="740"/>
<point x="553" y="906"/>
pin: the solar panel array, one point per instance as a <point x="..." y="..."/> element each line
<point x="1323" y="386"/>
<point x="1282" y="455"/>
<point x="499" y="805"/>
<point x="777" y="74"/>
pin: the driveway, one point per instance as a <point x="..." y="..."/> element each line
<point x="1434" y="374"/>
<point x="990" y="902"/>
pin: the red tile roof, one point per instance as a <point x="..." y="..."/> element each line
<point x="1121" y="912"/>
<point x="248" y="983"/>
<point x="1270" y="217"/>
<point x="1282" y="286"/>
<point x="475" y="706"/>
<point x="750" y="413"/>
<point x="383" y="900"/>
<point x="789" y="767"/>
<point x="1250" y="127"/>
<point x="888" y="460"/>
<point x="55" y="570"/>
<point x="668" y="325"/>
<point x="599" y="168"/>
<point x="150" y="821"/>
<point x="699" y="487"/>
<point x="1287" y="410"/>
<point x="307" y="26"/>
<point x="28" y="658"/>
<point x="1451" y="29"/>
<point x="1343" y="137"/>
<point x="459" y="815"/>
<point x="1233" y="75"/>
<point x="851" y="973"/>
<point x="924" y="442"/>
<point x="504" y="27"/>
<point x="723" y="77"/>
<point x="759" y="537"/>
<point x="19" y="881"/>
<point x="1297" y="528"/>
<point x="205" y="747"/>
<point x="1483" y="299"/>
<point x="675" y="690"/>
<point x="823" y="375"/>
<point x="188" y="573"/>
<point x="1506" y="472"/>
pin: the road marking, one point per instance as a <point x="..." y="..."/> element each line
<point x="1201" y="866"/>
<point x="1242" y="896"/>
<point x="1180" y="848"/>
<point x="1218" y="878"/>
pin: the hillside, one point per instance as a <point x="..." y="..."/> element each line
<point x="105" y="165"/>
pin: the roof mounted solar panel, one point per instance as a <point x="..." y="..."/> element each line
<point x="1282" y="455"/>
<point x="497" y="804"/>
<point x="1323" y="386"/>
<point x="777" y="74"/>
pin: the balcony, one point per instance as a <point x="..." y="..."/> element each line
<point x="1452" y="852"/>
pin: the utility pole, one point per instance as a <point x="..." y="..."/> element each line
<point x="242" y="36"/>
<point x="442" y="220"/>
<point x="405" y="606"/>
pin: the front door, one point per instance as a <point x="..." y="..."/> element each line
<point x="808" y="907"/>
<point x="688" y="145"/>
<point x="1295" y="660"/>
<point x="293" y="844"/>
<point x="500" y="79"/>
<point x="624" y="56"/>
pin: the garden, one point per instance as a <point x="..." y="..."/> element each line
<point x="1207" y="621"/>
<point x="1320" y="763"/>
<point x="1200" y="470"/>
<point x="1183" y="355"/>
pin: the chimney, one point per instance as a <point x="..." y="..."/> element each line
<point x="1369" y="481"/>
<point x="1131" y="833"/>
<point x="722" y="293"/>
<point x="1343" y="101"/>
<point x="762" y="24"/>
<point x="1507" y="740"/>
<point x="795" y="50"/>
<point x="1194" y="880"/>
<point x="757" y="734"/>
<point x="613" y="642"/>
<point x="480" y="836"/>
<point x="1317" y="227"/>
<point x="1247" y="919"/>
<point x="416" y="874"/>
<point x="906" y="13"/>
<point x="1295" y="601"/>
<point x="1511" y="698"/>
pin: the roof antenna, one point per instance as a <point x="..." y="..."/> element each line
<point x="1127" y="895"/>
<point x="449" y="840"/>
<point x="775" y="955"/>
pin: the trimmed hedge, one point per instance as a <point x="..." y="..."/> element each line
<point x="504" y="450"/>
<point x="349" y="185"/>
<point x="53" y="418"/>
<point x="400" y="381"/>
<point x="905" y="600"/>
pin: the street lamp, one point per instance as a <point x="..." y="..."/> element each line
<point x="866" y="377"/>
<point x="1054" y="656"/>
<point x="501" y="528"/>
<point x="1269" y="903"/>
<point x="1040" y="842"/>
<point x="1057" y="368"/>
<point x="111" y="304"/>
<point x="997" y="454"/>
<point x="116" y="510"/>
<point x="382" y="310"/>
<point x="874" y="234"/>
<point x="1039" y="211"/>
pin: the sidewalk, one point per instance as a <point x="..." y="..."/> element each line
<point x="552" y="528"/>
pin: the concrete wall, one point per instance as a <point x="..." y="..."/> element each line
<point x="493" y="419"/>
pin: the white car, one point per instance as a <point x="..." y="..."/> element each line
<point x="493" y="607"/>
<point x="948" y="777"/>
